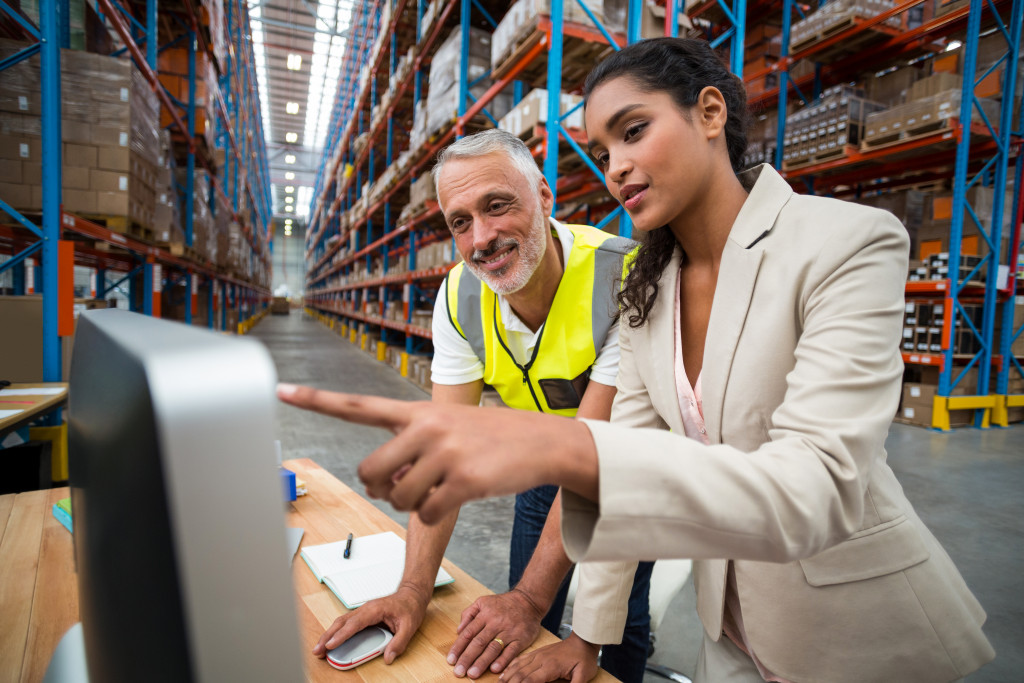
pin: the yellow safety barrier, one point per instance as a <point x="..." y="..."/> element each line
<point x="943" y="404"/>
<point x="58" y="438"/>
<point x="382" y="351"/>
<point x="1001" y="411"/>
<point x="404" y="369"/>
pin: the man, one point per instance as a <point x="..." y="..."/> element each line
<point x="531" y="312"/>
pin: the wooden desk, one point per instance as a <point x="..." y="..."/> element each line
<point x="39" y="593"/>
<point x="32" y="405"/>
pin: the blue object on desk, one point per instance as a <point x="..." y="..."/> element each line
<point x="288" y="484"/>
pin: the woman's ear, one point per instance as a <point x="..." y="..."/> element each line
<point x="712" y="110"/>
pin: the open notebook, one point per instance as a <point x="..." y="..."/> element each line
<point x="373" y="570"/>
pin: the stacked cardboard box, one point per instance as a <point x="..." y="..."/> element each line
<point x="109" y="129"/>
<point x="923" y="324"/>
<point x="443" y="97"/>
<point x="832" y="16"/>
<point x="172" y="70"/>
<point x="204" y="238"/>
<point x="824" y="128"/>
<point x="419" y="372"/>
<point x="532" y="111"/>
<point x="1017" y="348"/>
<point x="521" y="19"/>
<point x="166" y="216"/>
<point x="761" y="136"/>
<point x="934" y="233"/>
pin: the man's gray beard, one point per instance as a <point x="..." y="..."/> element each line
<point x="531" y="253"/>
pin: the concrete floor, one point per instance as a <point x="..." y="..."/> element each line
<point x="967" y="485"/>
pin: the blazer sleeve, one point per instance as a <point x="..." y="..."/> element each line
<point x="802" y="490"/>
<point x="602" y="597"/>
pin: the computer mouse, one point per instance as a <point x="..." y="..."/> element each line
<point x="360" y="648"/>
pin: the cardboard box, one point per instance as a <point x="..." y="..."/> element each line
<point x="113" y="203"/>
<point x="114" y="158"/>
<point x="75" y="178"/>
<point x="918" y="405"/>
<point x="107" y="181"/>
<point x="19" y="196"/>
<point x="11" y="171"/>
<point x="21" y="346"/>
<point x="84" y="156"/>
<point x="32" y="172"/>
<point x="20" y="147"/>
<point x="79" y="201"/>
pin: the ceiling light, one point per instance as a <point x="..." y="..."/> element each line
<point x="289" y="176"/>
<point x="289" y="158"/>
<point x="288" y="221"/>
<point x="291" y="137"/>
<point x="289" y="208"/>
<point x="294" y="61"/>
<point x="289" y="189"/>
<point x="292" y="107"/>
<point x="289" y="199"/>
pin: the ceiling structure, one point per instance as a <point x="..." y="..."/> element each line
<point x="298" y="46"/>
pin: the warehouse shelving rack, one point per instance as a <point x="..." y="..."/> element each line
<point x="156" y="267"/>
<point x="978" y="152"/>
<point x="345" y="305"/>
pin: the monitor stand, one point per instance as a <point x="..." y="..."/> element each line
<point x="68" y="662"/>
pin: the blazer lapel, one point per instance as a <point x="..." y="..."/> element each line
<point x="662" y="351"/>
<point x="737" y="276"/>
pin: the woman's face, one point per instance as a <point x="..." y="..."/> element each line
<point x="654" y="157"/>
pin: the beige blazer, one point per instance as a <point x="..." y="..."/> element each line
<point x="838" y="578"/>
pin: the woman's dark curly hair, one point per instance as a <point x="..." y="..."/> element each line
<point x="681" y="67"/>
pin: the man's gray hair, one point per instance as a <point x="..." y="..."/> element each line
<point x="488" y="142"/>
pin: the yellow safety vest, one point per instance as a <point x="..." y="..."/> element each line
<point x="584" y="309"/>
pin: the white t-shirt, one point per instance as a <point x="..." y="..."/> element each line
<point x="456" y="363"/>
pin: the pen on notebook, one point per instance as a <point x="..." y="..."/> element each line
<point x="348" y="547"/>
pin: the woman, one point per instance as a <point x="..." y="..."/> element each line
<point x="759" y="374"/>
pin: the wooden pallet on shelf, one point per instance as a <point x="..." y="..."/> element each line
<point x="854" y="43"/>
<point x="821" y="157"/>
<point x="125" y="225"/>
<point x="909" y="134"/>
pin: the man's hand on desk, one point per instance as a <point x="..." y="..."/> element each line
<point x="573" y="659"/>
<point x="402" y="613"/>
<point x="510" y="618"/>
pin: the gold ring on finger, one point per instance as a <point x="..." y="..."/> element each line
<point x="499" y="641"/>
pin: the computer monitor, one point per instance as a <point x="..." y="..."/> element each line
<point x="177" y="507"/>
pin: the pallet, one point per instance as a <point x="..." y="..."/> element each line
<point x="854" y="44"/>
<point x="181" y="250"/>
<point x="579" y="57"/>
<point x="125" y="225"/>
<point x="908" y="135"/>
<point x="820" y="158"/>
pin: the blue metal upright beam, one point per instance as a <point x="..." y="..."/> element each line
<point x="551" y="126"/>
<point x="190" y="164"/>
<point x="152" y="31"/>
<point x="50" y="13"/>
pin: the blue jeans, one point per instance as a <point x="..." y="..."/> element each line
<point x="625" y="661"/>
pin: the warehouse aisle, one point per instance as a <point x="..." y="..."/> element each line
<point x="966" y="486"/>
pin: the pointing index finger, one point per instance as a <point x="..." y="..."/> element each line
<point x="373" y="411"/>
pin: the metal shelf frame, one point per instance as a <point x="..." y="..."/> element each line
<point x="980" y="152"/>
<point x="335" y="193"/>
<point x="147" y="266"/>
